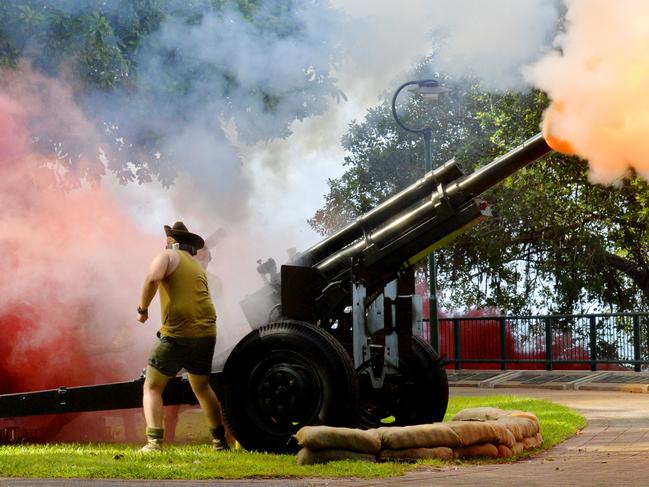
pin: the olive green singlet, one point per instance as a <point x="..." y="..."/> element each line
<point x="187" y="309"/>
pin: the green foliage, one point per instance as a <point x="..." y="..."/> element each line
<point x="145" y="70"/>
<point x="96" y="44"/>
<point x="556" y="242"/>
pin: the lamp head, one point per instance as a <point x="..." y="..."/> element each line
<point x="429" y="89"/>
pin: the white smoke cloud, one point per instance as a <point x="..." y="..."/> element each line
<point x="260" y="174"/>
<point x="383" y="40"/>
<point x="367" y="45"/>
<point x="489" y="40"/>
<point x="264" y="192"/>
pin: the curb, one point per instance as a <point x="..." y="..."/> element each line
<point x="636" y="382"/>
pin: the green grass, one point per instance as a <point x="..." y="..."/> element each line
<point x="178" y="462"/>
<point x="200" y="462"/>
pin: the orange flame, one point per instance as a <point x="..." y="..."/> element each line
<point x="553" y="140"/>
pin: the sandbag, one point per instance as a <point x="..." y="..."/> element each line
<point x="505" y="437"/>
<point x="328" y="437"/>
<point x="473" y="432"/>
<point x="481" y="414"/>
<point x="532" y="442"/>
<point x="412" y="454"/>
<point x="478" y="450"/>
<point x="518" y="448"/>
<point x="525" y="414"/>
<point x="307" y="456"/>
<point x="504" y="451"/>
<point x="519" y="426"/>
<point x="418" y="436"/>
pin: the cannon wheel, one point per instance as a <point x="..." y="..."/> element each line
<point x="418" y="394"/>
<point x="283" y="376"/>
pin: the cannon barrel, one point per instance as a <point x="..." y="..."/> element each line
<point x="409" y="236"/>
<point x="499" y="169"/>
<point x="447" y="172"/>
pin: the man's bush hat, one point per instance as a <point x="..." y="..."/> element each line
<point x="180" y="234"/>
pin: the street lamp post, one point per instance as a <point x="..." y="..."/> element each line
<point x="430" y="90"/>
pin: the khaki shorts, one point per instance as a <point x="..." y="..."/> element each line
<point x="169" y="355"/>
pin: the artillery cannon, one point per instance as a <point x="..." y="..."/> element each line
<point x="337" y="331"/>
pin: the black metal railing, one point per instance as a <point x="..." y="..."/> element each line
<point x="618" y="341"/>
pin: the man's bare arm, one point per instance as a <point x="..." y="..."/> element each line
<point x="157" y="272"/>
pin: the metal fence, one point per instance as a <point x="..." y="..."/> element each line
<point x="583" y="342"/>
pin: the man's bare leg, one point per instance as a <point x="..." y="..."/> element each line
<point x="211" y="407"/>
<point x="154" y="384"/>
<point x="207" y="399"/>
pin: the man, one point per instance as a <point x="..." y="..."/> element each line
<point x="204" y="257"/>
<point x="187" y="336"/>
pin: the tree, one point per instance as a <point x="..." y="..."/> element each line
<point x="382" y="158"/>
<point x="143" y="70"/>
<point x="555" y="244"/>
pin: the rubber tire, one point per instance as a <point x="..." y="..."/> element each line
<point x="263" y="407"/>
<point x="420" y="396"/>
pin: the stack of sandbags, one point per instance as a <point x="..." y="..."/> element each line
<point x="435" y="440"/>
<point x="476" y="432"/>
<point x="322" y="444"/>
<point x="515" y="431"/>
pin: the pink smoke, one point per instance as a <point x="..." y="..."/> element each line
<point x="73" y="262"/>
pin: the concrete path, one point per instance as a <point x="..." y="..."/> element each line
<point x="612" y="451"/>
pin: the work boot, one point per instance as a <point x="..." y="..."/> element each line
<point x="220" y="444"/>
<point x="154" y="438"/>
<point x="152" y="446"/>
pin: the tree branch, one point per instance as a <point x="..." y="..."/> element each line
<point x="638" y="274"/>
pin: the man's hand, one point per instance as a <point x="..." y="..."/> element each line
<point x="142" y="316"/>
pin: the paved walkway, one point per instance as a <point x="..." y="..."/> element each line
<point x="612" y="451"/>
